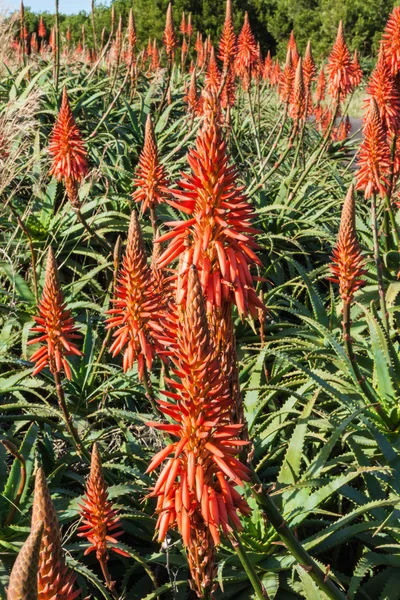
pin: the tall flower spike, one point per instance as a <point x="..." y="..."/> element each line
<point x="132" y="39"/>
<point x="23" y="578"/>
<point x="286" y="80"/>
<point x="67" y="150"/>
<point x="135" y="306"/>
<point x="340" y="68"/>
<point x="356" y="76"/>
<point x="213" y="76"/>
<point x="266" y="75"/>
<point x="101" y="523"/>
<point x="55" y="325"/>
<point x="170" y="40"/>
<point x="42" y="32"/>
<point x="189" y="28"/>
<point x="347" y="262"/>
<point x="196" y="488"/>
<point x="309" y="68"/>
<point x="292" y="46"/>
<point x="321" y="86"/>
<point x="191" y="96"/>
<point x="155" y="58"/>
<point x="227" y="44"/>
<point x="382" y="86"/>
<point x="182" y="28"/>
<point x="54" y="578"/>
<point x="247" y="54"/>
<point x="151" y="182"/>
<point x="374" y="155"/>
<point x="298" y="105"/>
<point x="218" y="236"/>
<point x="391" y="40"/>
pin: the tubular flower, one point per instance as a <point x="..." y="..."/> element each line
<point x="135" y="304"/>
<point x="266" y="74"/>
<point x="213" y="76"/>
<point x="247" y="54"/>
<point x="191" y="96"/>
<point x="42" y="32"/>
<point x="321" y="86"/>
<point x="217" y="237"/>
<point x="356" y="76"/>
<point x="23" y="578"/>
<point x="169" y="39"/>
<point x="382" y="86"/>
<point x="374" y="155"/>
<point x="341" y="132"/>
<point x="340" y="68"/>
<point x="286" y="81"/>
<point x="151" y="181"/>
<point x="227" y="44"/>
<point x="309" y="68"/>
<point x="101" y="523"/>
<point x="292" y="46"/>
<point x="391" y="41"/>
<point x="55" y="326"/>
<point x="54" y="578"/>
<point x="297" y="107"/>
<point x="68" y="151"/>
<point x="347" y="262"/>
<point x="196" y="487"/>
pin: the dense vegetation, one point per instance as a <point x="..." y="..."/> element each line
<point x="231" y="428"/>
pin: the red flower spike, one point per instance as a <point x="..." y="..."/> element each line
<point x="132" y="38"/>
<point x="101" y="523"/>
<point x="189" y="28"/>
<point x="169" y="39"/>
<point x="42" y="32"/>
<point x="155" y="58"/>
<point x="382" y="86"/>
<point x="309" y="68"/>
<point x="374" y="155"/>
<point x="191" y="96"/>
<point x="182" y="28"/>
<point x="357" y="73"/>
<point x="213" y="76"/>
<point x="227" y="44"/>
<point x="135" y="307"/>
<point x="321" y="86"/>
<point x="151" y="182"/>
<point x="218" y="236"/>
<point x="246" y="55"/>
<point x="55" y="580"/>
<point x="55" y="326"/>
<point x="275" y="73"/>
<point x="286" y="81"/>
<point x="229" y="89"/>
<point x="340" y="68"/>
<point x="196" y="486"/>
<point x="347" y="262"/>
<point x="266" y="74"/>
<point x="297" y="107"/>
<point x="391" y="41"/>
<point x="292" y="46"/>
<point x="67" y="149"/>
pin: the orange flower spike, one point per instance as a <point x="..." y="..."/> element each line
<point x="189" y="28"/>
<point x="101" y="523"/>
<point x="266" y="74"/>
<point x="191" y="97"/>
<point x="132" y="38"/>
<point x="227" y="44"/>
<point x="55" y="326"/>
<point x="169" y="39"/>
<point x="23" y="578"/>
<point x="309" y="68"/>
<point x="134" y="315"/>
<point x="292" y="46"/>
<point x="54" y="578"/>
<point x="213" y="76"/>
<point x="275" y="73"/>
<point x="247" y="54"/>
<point x="391" y="41"/>
<point x="155" y="57"/>
<point x="340" y="68"/>
<point x="374" y="155"/>
<point x="347" y="262"/>
<point x="42" y="32"/>
<point x="321" y="86"/>
<point x="357" y="74"/>
<point x="151" y="183"/>
<point x="298" y="106"/>
<point x="182" y="28"/>
<point x="382" y="86"/>
<point x="286" y="81"/>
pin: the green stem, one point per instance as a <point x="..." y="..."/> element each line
<point x="248" y="566"/>
<point x="81" y="450"/>
<point x="94" y="30"/>
<point x="253" y="123"/>
<point x="378" y="263"/>
<point x="277" y="521"/>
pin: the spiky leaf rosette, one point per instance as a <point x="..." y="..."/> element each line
<point x="347" y="262"/>
<point x="67" y="149"/>
<point x="391" y="40"/>
<point x="213" y="76"/>
<point x="55" y="326"/>
<point x="247" y="54"/>
<point x="196" y="487"/>
<point x="101" y="523"/>
<point x="218" y="237"/>
<point x="136" y="305"/>
<point x="374" y="155"/>
<point x="151" y="181"/>
<point x="382" y="86"/>
<point x="169" y="38"/>
<point x="227" y="44"/>
<point x="23" y="578"/>
<point x="55" y="580"/>
<point x="340" y="68"/>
